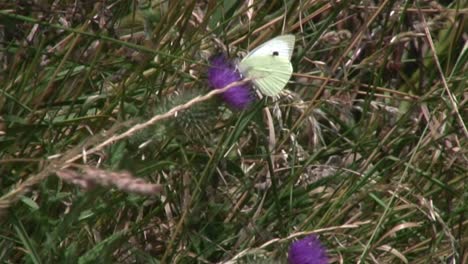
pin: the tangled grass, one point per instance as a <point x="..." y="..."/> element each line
<point x="113" y="148"/>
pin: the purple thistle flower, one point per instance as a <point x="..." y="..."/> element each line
<point x="222" y="73"/>
<point x="308" y="250"/>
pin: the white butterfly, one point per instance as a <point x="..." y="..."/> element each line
<point x="270" y="65"/>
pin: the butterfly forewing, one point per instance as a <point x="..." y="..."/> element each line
<point x="282" y="45"/>
<point x="269" y="65"/>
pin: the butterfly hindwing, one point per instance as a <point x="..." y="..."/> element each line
<point x="270" y="73"/>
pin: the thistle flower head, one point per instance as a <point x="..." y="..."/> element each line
<point x="308" y="250"/>
<point x="222" y="73"/>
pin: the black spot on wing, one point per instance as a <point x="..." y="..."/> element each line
<point x="275" y="53"/>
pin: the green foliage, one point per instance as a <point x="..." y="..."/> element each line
<point x="367" y="146"/>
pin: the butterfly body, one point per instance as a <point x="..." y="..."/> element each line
<point x="269" y="65"/>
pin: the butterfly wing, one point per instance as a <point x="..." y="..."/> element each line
<point x="269" y="65"/>
<point x="284" y="45"/>
<point x="270" y="73"/>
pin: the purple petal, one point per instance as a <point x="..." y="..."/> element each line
<point x="220" y="74"/>
<point x="308" y="250"/>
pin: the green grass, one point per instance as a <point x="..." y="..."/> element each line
<point x="367" y="147"/>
